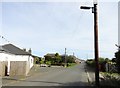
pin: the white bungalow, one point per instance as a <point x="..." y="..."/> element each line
<point x="14" y="61"/>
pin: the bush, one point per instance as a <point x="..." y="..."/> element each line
<point x="111" y="80"/>
<point x="48" y="63"/>
<point x="102" y="62"/>
<point x="41" y="62"/>
<point x="90" y="62"/>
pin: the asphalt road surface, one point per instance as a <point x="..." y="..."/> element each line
<point x="56" y="76"/>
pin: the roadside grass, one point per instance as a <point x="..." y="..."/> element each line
<point x="71" y="65"/>
<point x="110" y="79"/>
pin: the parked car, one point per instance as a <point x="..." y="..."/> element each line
<point x="43" y="65"/>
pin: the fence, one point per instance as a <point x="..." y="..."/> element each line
<point x="111" y="67"/>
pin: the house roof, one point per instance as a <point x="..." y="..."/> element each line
<point x="1" y="49"/>
<point x="10" y="48"/>
<point x="51" y="55"/>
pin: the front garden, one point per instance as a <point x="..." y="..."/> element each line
<point x="109" y="75"/>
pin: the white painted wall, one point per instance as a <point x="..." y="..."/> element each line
<point x="31" y="61"/>
<point x="11" y="57"/>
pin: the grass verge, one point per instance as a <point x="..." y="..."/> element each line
<point x="71" y="64"/>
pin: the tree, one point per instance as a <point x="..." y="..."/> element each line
<point x="37" y="59"/>
<point x="70" y="59"/>
<point x="90" y="62"/>
<point x="101" y="60"/>
<point x="42" y="61"/>
<point x="57" y="58"/>
<point x="53" y="58"/>
<point x="113" y="59"/>
<point x="117" y="55"/>
<point x="57" y="54"/>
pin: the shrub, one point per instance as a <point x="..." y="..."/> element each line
<point x="90" y="62"/>
<point x="111" y="80"/>
<point x="48" y="63"/>
<point x="42" y="62"/>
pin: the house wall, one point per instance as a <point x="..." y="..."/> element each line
<point x="29" y="64"/>
<point x="15" y="61"/>
<point x="31" y="61"/>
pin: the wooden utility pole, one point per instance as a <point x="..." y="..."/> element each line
<point x="73" y="54"/>
<point x="65" y="58"/>
<point x="94" y="10"/>
<point x="96" y="45"/>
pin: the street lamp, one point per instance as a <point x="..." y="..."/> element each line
<point x="85" y="7"/>
<point x="94" y="10"/>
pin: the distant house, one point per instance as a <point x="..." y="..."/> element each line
<point x="49" y="55"/>
<point x="14" y="61"/>
<point x="77" y="61"/>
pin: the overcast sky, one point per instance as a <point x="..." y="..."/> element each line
<point x="49" y="27"/>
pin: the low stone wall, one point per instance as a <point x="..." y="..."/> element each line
<point x="18" y="68"/>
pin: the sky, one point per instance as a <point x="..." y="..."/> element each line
<point x="50" y="27"/>
<point x="118" y="23"/>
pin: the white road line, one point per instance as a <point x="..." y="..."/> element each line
<point x="89" y="79"/>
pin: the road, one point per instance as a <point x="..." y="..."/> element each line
<point x="56" y="76"/>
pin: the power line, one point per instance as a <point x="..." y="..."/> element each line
<point x="3" y="38"/>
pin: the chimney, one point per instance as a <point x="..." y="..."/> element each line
<point x="30" y="51"/>
<point x="24" y="49"/>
